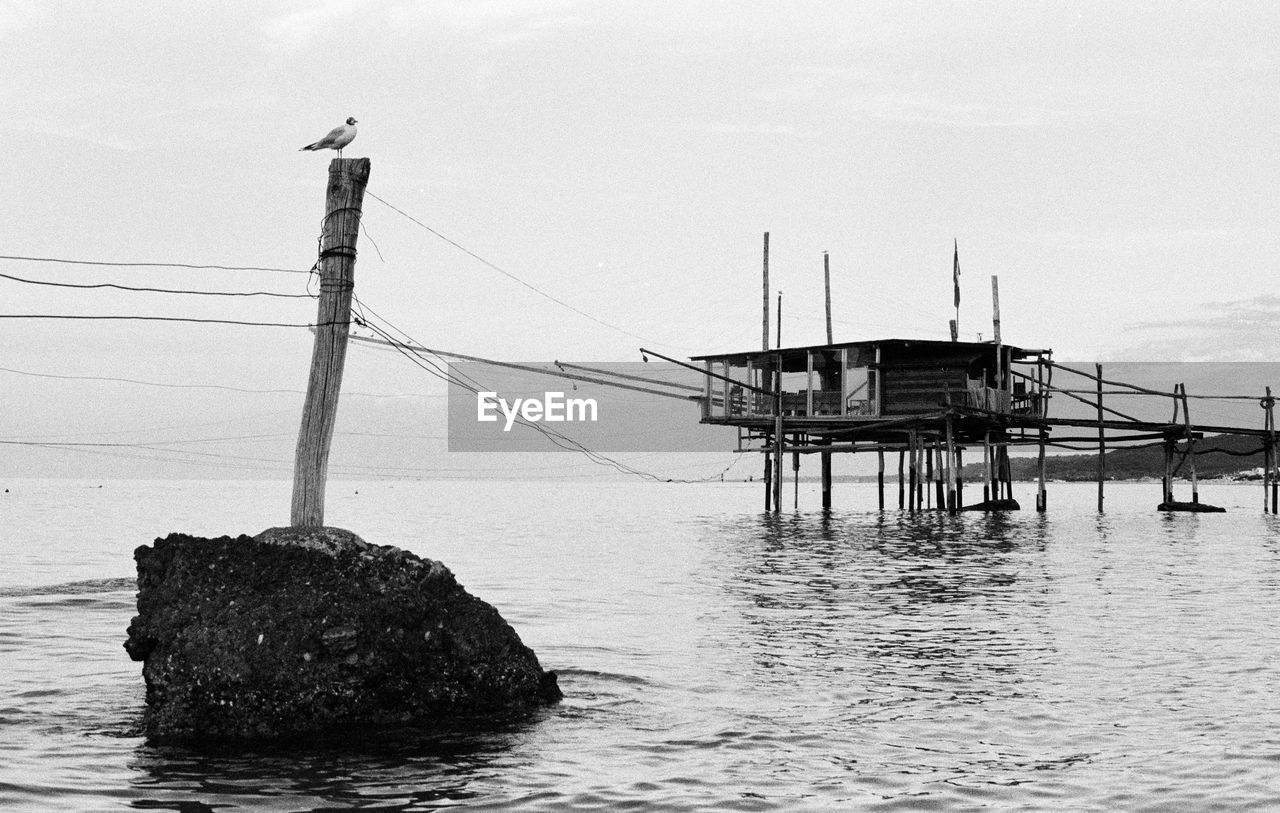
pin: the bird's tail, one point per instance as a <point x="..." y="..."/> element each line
<point x="308" y="147"/>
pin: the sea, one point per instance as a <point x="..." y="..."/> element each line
<point x="713" y="657"/>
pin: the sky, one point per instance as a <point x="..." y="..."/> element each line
<point x="1113" y="164"/>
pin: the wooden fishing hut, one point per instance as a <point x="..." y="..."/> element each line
<point x="927" y="400"/>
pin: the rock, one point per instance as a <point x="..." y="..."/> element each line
<point x="307" y="630"/>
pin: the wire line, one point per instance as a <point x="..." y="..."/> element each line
<point x="506" y="273"/>
<point x="154" y="290"/>
<point x="151" y="265"/>
<point x="164" y="319"/>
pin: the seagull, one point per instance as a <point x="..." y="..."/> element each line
<point x="337" y="138"/>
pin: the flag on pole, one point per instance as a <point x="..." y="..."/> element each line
<point x="955" y="274"/>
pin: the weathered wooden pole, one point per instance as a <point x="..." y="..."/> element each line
<point x="935" y="498"/>
<point x="795" y="475"/>
<point x="826" y="276"/>
<point x="1102" y="441"/>
<point x="913" y="473"/>
<point x="1191" y="445"/>
<point x="764" y="342"/>
<point x="951" y="504"/>
<point x="779" y="337"/>
<point x="986" y="466"/>
<point x="768" y="473"/>
<point x="902" y="456"/>
<point x="959" y="477"/>
<point x="778" y="441"/>
<point x="1167" y="480"/>
<point x="1042" y="496"/>
<point x="1271" y="444"/>
<point x="880" y="477"/>
<point x="826" y="479"/>
<point x="343" y="200"/>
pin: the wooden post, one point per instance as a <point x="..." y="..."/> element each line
<point x="880" y="477"/>
<point x="777" y="440"/>
<point x="768" y="473"/>
<point x="959" y="477"/>
<point x="902" y="456"/>
<point x="826" y="479"/>
<point x="764" y="344"/>
<point x="1191" y="445"/>
<point x="1271" y="446"/>
<point x="1167" y="480"/>
<point x="1006" y="470"/>
<point x="995" y="307"/>
<point x="795" y="475"/>
<point x="826" y="276"/>
<point x="344" y="197"/>
<point x="986" y="466"/>
<point x="779" y="337"/>
<point x="952" y="490"/>
<point x="942" y="477"/>
<point x="913" y="473"/>
<point x="1266" y="453"/>
<point x="930" y="479"/>
<point x="1102" y="441"/>
<point x="1042" y="497"/>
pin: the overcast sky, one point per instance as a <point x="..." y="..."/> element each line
<point x="1114" y="164"/>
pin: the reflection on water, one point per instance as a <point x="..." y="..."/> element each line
<point x="394" y="770"/>
<point x="714" y="658"/>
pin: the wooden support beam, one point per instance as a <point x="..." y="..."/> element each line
<point x="1269" y="488"/>
<point x="1102" y="442"/>
<point x="1191" y="446"/>
<point x="768" y="474"/>
<point x="1042" y="496"/>
<point x="952" y="490"/>
<point x="986" y="466"/>
<point x="344" y="197"/>
<point x="902" y="456"/>
<point x="764" y="342"/>
<point x="826" y="277"/>
<point x="795" y="474"/>
<point x="880" y="477"/>
<point x="778" y="440"/>
<point x="913" y="472"/>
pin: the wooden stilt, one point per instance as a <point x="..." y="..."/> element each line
<point x="936" y="476"/>
<point x="795" y="475"/>
<point x="1167" y="480"/>
<point x="1042" y="496"/>
<point x="880" y="477"/>
<point x="952" y="491"/>
<point x="826" y="480"/>
<point x="779" y="443"/>
<point x="902" y="456"/>
<point x="768" y="476"/>
<point x="1006" y="471"/>
<point x="1191" y="446"/>
<point x="986" y="467"/>
<point x="1272" y="468"/>
<point x="1102" y="442"/>
<point x="912" y="473"/>
<point x="959" y="478"/>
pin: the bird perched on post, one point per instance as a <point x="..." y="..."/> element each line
<point x="337" y="138"/>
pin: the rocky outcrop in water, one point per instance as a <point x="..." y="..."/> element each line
<point x="308" y="630"/>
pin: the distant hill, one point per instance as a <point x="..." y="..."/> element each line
<point x="1226" y="456"/>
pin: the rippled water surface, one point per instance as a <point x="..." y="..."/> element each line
<point x="712" y="657"/>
